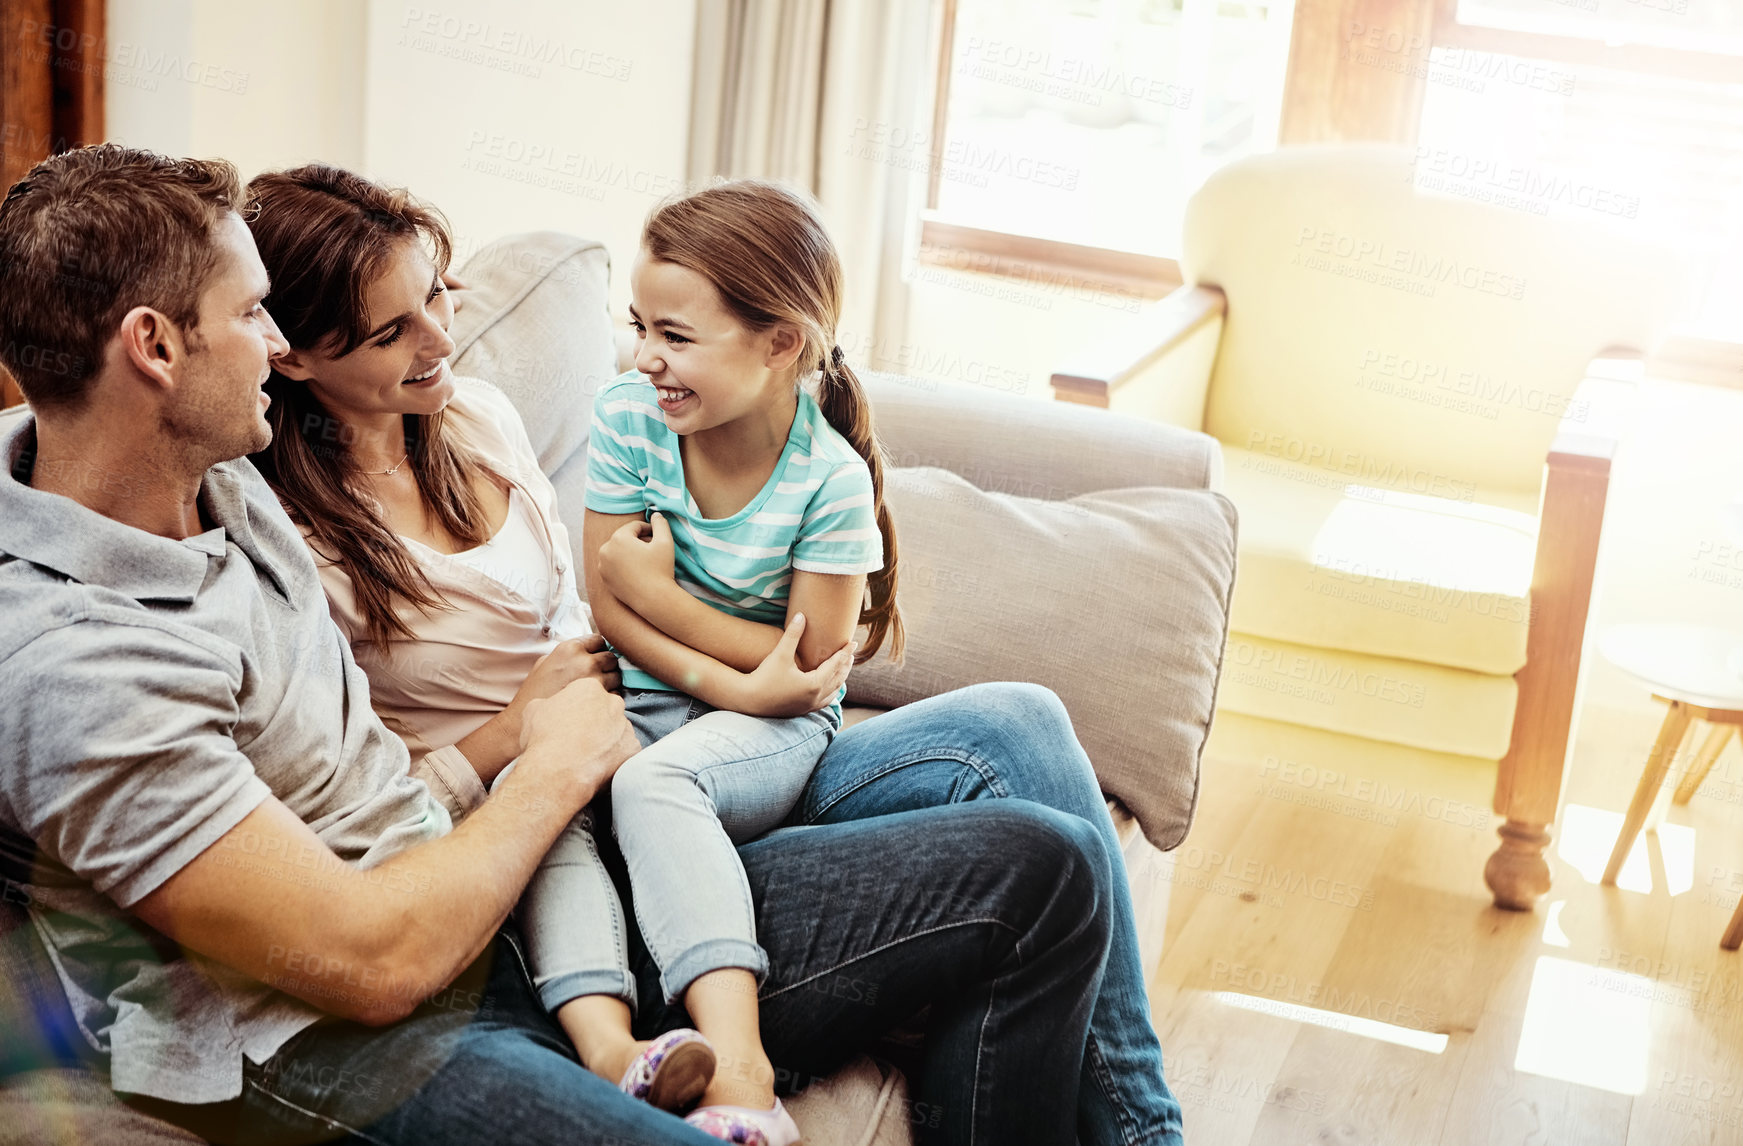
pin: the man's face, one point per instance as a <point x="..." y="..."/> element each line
<point x="219" y="411"/>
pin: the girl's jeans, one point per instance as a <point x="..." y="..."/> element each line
<point x="1015" y="740"/>
<point x="705" y="780"/>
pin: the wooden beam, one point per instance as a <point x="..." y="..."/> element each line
<point x="77" y="73"/>
<point x="1357" y="71"/>
<point x="26" y="89"/>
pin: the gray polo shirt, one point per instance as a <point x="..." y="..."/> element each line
<point x="153" y="693"/>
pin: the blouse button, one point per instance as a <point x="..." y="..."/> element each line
<point x="546" y="631"/>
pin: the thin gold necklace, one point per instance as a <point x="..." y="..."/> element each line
<point x="386" y="472"/>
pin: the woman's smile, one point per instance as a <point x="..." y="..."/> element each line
<point x="429" y="376"/>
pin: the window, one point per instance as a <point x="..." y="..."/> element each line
<point x="1088" y="123"/>
<point x="1627" y="112"/>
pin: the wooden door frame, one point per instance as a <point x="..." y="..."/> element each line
<point x="52" y="56"/>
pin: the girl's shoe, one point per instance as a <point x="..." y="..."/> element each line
<point x="745" y="1126"/>
<point x="672" y="1072"/>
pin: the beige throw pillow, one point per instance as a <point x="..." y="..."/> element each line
<point x="996" y="587"/>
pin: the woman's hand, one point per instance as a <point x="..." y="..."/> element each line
<point x="777" y="687"/>
<point x="636" y="561"/>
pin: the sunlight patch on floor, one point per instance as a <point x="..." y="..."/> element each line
<point x="1333" y="1020"/>
<point x="1588" y="834"/>
<point x="1586" y="1025"/>
<point x="1553" y="935"/>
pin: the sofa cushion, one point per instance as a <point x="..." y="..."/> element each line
<point x="1115" y="600"/>
<point x="1387" y="562"/>
<point x="1379" y="698"/>
<point x="537" y="323"/>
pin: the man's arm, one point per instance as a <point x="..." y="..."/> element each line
<point x="272" y="901"/>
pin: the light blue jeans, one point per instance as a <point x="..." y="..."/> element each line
<point x="705" y="780"/>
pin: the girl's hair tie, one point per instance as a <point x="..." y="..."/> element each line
<point x="836" y="357"/>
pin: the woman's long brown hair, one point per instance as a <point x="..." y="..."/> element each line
<point x="325" y="234"/>
<point x="764" y="248"/>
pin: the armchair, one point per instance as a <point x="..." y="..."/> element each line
<point x="1407" y="390"/>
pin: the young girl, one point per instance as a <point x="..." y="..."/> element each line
<point x="436" y="535"/>
<point x="727" y="503"/>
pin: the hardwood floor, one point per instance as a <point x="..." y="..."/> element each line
<point x="1342" y="880"/>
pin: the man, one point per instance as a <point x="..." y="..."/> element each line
<point x="266" y="929"/>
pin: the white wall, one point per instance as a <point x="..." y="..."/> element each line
<point x="519" y="115"/>
<point x="263" y="83"/>
<point x="511" y="115"/>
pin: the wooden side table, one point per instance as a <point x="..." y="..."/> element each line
<point x="1698" y="672"/>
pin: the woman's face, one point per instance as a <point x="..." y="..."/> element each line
<point x="401" y="367"/>
<point x="709" y="369"/>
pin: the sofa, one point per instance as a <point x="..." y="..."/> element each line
<point x="1078" y="549"/>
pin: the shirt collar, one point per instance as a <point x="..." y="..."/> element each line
<point x="58" y="533"/>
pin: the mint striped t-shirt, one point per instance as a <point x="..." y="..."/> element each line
<point x="814" y="513"/>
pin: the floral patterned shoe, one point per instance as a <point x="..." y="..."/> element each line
<point x="745" y="1126"/>
<point x="672" y="1072"/>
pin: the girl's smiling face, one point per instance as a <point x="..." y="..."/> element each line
<point x="709" y="368"/>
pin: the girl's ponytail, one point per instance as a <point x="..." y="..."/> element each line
<point x="843" y="402"/>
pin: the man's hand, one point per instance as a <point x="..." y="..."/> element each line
<point x="637" y="560"/>
<point x="491" y="746"/>
<point x="778" y="687"/>
<point x="581" y="732"/>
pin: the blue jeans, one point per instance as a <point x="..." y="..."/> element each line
<point x="991" y="914"/>
<point x="704" y="781"/>
<point x="1015" y="740"/>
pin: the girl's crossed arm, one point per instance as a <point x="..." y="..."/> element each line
<point x="636" y="564"/>
<point x="772" y="685"/>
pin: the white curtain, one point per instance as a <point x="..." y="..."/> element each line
<point x="836" y="97"/>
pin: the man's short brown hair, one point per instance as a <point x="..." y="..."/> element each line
<point x="87" y="236"/>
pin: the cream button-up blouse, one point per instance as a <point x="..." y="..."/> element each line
<point x="466" y="662"/>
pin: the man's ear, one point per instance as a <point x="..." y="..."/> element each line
<point x="152" y="344"/>
<point x="785" y="346"/>
<point x="292" y="366"/>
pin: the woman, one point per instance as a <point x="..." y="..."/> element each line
<point x="403" y="478"/>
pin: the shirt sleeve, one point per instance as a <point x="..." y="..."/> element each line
<point x="614" y="479"/>
<point x="122" y="766"/>
<point x="451" y="779"/>
<point x="839" y="532"/>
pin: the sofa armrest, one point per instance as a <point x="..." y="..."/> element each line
<point x="1161" y="369"/>
<point x="1007" y="444"/>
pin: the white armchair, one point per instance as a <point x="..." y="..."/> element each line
<point x="1396" y="380"/>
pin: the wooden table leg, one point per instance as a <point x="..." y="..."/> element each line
<point x="1670" y="734"/>
<point x="1703" y="763"/>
